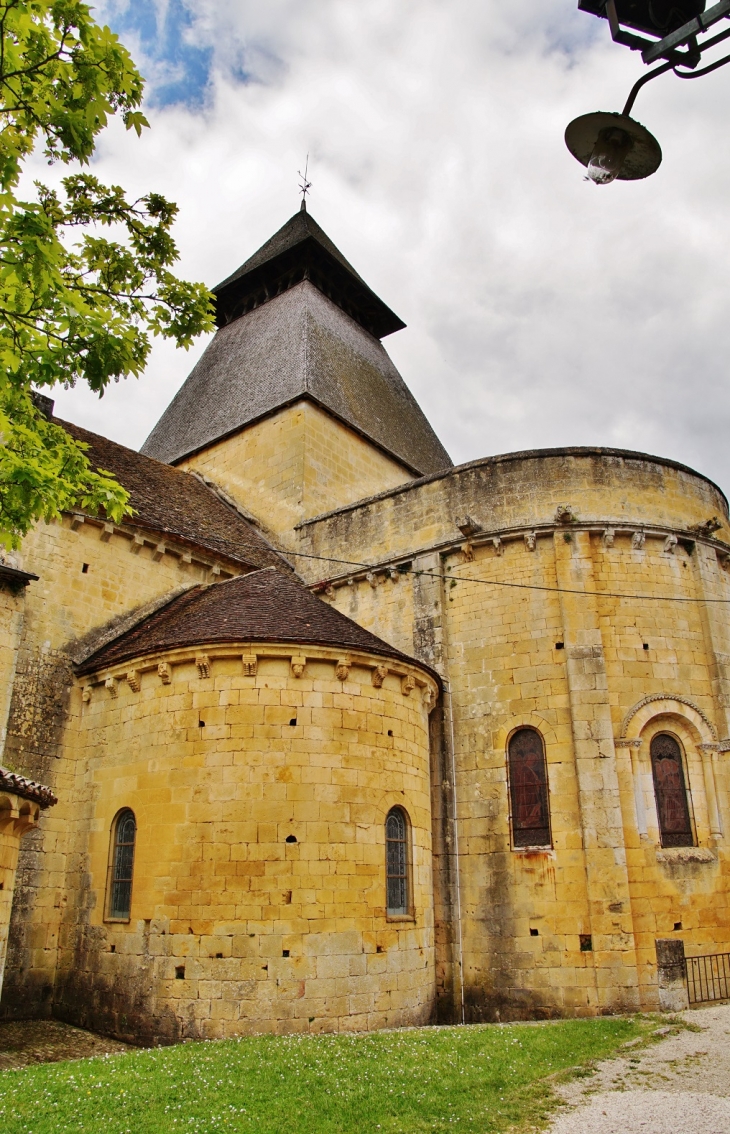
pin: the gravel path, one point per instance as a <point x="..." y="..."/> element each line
<point x="46" y="1041"/>
<point x="680" y="1085"/>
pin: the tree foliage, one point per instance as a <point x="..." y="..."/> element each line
<point x="85" y="273"/>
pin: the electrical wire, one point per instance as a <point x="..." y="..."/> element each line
<point x="503" y="583"/>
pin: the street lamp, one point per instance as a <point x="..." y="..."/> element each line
<point x="614" y="146"/>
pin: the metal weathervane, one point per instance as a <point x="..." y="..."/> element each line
<point x="672" y="33"/>
<point x="305" y="185"/>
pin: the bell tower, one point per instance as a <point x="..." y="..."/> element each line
<point x="295" y="408"/>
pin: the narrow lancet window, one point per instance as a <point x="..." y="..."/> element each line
<point x="529" y="790"/>
<point x="122" y="865"/>
<point x="396" y="841"/>
<point x="672" y="807"/>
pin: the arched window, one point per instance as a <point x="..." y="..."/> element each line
<point x="529" y="790"/>
<point x="121" y="865"/>
<point x="396" y="863"/>
<point x="670" y="790"/>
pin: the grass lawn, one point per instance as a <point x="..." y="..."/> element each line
<point x="483" y="1078"/>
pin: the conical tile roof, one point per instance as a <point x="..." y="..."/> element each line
<point x="263" y="606"/>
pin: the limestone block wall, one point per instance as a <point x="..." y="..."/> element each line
<point x="296" y="463"/>
<point x="16" y="817"/>
<point x="11" y="621"/>
<point x="90" y="573"/>
<point x="586" y="598"/>
<point x="260" y="794"/>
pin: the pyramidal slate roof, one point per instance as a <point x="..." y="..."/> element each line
<point x="301" y="337"/>
<point x="263" y="606"/>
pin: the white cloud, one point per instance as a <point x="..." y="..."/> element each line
<point x="541" y="310"/>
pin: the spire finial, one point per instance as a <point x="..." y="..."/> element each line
<point x="304" y="185"/>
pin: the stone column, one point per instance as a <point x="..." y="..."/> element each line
<point x="637" y="778"/>
<point x="716" y="632"/>
<point x="708" y="752"/>
<point x="16" y="817"/>
<point x="604" y="848"/>
<point x="429" y="646"/>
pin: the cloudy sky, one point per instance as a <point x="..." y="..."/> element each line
<point x="542" y="310"/>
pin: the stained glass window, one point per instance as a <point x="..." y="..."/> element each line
<point x="529" y="790"/>
<point x="120" y="899"/>
<point x="670" y="791"/>
<point x="396" y="842"/>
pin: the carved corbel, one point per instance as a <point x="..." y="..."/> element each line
<point x="202" y="661"/>
<point x="638" y="540"/>
<point x="609" y="537"/>
<point x="468" y="552"/>
<point x="107" y="532"/>
<point x="379" y="675"/>
<point x="342" y="669"/>
<point x="670" y="543"/>
<point x="111" y="685"/>
<point x="86" y="693"/>
<point x="498" y="545"/>
<point x="298" y="662"/>
<point x="429" y="698"/>
<point x="531" y="541"/>
<point x="250" y="665"/>
<point x="159" y="551"/>
<point x="408" y="684"/>
<point x="137" y="543"/>
<point x="133" y="680"/>
<point x="164" y="672"/>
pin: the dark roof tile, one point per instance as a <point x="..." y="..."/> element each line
<point x="177" y="504"/>
<point x="263" y="606"/>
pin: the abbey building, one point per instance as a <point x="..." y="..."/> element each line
<point x="335" y="735"/>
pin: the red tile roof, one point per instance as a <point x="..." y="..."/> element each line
<point x="26" y="789"/>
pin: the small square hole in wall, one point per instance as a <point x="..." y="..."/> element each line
<point x="390" y="732"/>
<point x="285" y="952"/>
<point x="534" y="933"/>
<point x="219" y="956"/>
<point x="677" y="925"/>
<point x="645" y="645"/>
<point x="560" y="645"/>
<point x="293" y="721"/>
<point x="201" y="724"/>
<point x="112" y="948"/>
<point x="180" y="972"/>
<point x="84" y="568"/>
<point x="378" y="948"/>
<point x="290" y="839"/>
<point x="586" y="942"/>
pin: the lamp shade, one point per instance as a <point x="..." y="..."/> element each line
<point x="643" y="154"/>
<point x="656" y="17"/>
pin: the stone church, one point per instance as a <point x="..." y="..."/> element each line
<point x="332" y="734"/>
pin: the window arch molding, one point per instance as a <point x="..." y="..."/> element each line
<point x="120" y="869"/>
<point x="398" y="863"/>
<point x="528" y="787"/>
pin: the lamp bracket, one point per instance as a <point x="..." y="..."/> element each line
<point x="666" y="48"/>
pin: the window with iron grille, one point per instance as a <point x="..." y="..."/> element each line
<point x="396" y="842"/>
<point x="672" y="805"/>
<point x="528" y="790"/>
<point x="122" y="865"/>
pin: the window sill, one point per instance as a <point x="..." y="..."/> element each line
<point x="684" y="854"/>
<point x="547" y="849"/>
<point x="117" y="920"/>
<point x="400" y="917"/>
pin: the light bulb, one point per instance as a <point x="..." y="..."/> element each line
<point x="609" y="153"/>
